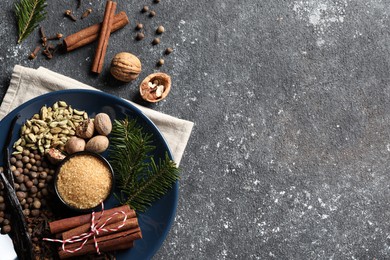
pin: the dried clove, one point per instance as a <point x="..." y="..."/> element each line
<point x="43" y="36"/>
<point x="47" y="53"/>
<point x="34" y="54"/>
<point x="86" y="13"/>
<point x="56" y="37"/>
<point x="69" y="14"/>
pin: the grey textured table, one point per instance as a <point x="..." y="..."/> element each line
<point x="289" y="154"/>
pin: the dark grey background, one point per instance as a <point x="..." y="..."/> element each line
<point x="290" y="99"/>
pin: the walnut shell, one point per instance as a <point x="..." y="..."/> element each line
<point x="125" y="67"/>
<point x="103" y="124"/>
<point x="74" y="144"/>
<point x="97" y="144"/>
<point x="149" y="87"/>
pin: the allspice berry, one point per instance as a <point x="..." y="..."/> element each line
<point x="160" y="29"/>
<point x="168" y="51"/>
<point x="160" y="62"/>
<point x="139" y="26"/>
<point x="125" y="67"/>
<point x="145" y="9"/>
<point x="156" y="41"/>
<point x="139" y="36"/>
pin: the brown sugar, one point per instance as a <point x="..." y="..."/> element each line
<point x="84" y="181"/>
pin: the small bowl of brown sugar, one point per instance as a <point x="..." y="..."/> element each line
<point x="83" y="180"/>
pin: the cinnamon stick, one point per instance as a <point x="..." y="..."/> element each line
<point x="115" y="241"/>
<point x="116" y="221"/>
<point x="62" y="225"/>
<point x="91" y="33"/>
<point x="104" y="36"/>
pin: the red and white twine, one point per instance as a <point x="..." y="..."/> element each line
<point x="95" y="230"/>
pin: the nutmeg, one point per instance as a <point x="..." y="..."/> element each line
<point x="103" y="124"/>
<point x="155" y="87"/>
<point x="74" y="144"/>
<point x="85" y="129"/>
<point x="97" y="144"/>
<point x="125" y="66"/>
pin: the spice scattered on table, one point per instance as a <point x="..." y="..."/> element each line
<point x="140" y="36"/>
<point x="156" y="41"/>
<point x="160" y="29"/>
<point x="145" y="9"/>
<point x="168" y="50"/>
<point x="69" y="13"/>
<point x="86" y="13"/>
<point x="160" y="62"/>
<point x="139" y="26"/>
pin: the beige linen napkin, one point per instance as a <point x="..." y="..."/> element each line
<point x="27" y="83"/>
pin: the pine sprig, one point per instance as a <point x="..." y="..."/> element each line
<point x="29" y="14"/>
<point x="140" y="179"/>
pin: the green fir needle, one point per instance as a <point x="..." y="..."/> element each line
<point x="29" y="14"/>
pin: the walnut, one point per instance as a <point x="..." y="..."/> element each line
<point x="125" y="67"/>
<point x="97" y="144"/>
<point x="103" y="124"/>
<point x="155" y="87"/>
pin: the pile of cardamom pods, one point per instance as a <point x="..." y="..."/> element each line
<point x="52" y="127"/>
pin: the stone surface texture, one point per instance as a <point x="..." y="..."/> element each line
<point x="289" y="157"/>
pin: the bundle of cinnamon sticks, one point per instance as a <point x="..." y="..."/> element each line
<point x="122" y="238"/>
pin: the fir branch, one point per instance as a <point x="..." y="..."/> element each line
<point x="140" y="180"/>
<point x="159" y="179"/>
<point x="29" y="14"/>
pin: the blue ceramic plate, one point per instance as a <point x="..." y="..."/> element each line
<point x="157" y="220"/>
